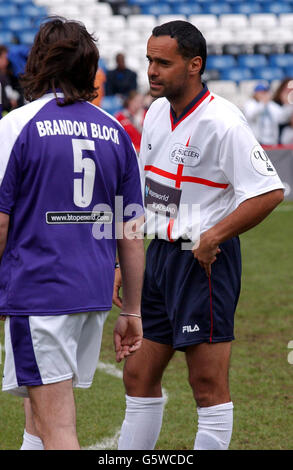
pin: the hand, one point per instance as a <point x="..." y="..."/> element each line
<point x="2" y="317"/>
<point x="116" y="299"/>
<point x="127" y="336"/>
<point x="206" y="252"/>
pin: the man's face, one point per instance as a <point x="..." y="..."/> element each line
<point x="168" y="70"/>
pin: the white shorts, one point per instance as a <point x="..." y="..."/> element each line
<point x="49" y="349"/>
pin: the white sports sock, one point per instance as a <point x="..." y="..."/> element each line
<point x="215" y="425"/>
<point x="142" y="424"/>
<point x="31" y="442"/>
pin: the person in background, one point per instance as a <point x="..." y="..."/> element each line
<point x="120" y="81"/>
<point x="131" y="117"/>
<point x="264" y="116"/>
<point x="10" y="96"/>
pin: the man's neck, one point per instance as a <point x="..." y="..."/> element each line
<point x="179" y="104"/>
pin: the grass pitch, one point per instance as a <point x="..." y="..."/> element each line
<point x="260" y="375"/>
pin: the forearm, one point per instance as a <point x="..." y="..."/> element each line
<point x="4" y="222"/>
<point x="248" y="214"/>
<point x="131" y="260"/>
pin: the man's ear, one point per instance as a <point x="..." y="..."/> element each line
<point x="195" y="65"/>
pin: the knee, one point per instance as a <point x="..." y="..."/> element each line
<point x="208" y="390"/>
<point x="138" y="381"/>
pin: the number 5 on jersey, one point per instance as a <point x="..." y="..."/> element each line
<point x="83" y="187"/>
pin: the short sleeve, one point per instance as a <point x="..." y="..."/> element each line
<point x="9" y="166"/>
<point x="246" y="164"/>
<point x="130" y="188"/>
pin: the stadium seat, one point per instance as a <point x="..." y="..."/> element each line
<point x="279" y="35"/>
<point x="263" y="21"/>
<point x="268" y="49"/>
<point x="247" y="8"/>
<point x="156" y="9"/>
<point x="286" y="20"/>
<point x="141" y="22"/>
<point x="248" y="36"/>
<point x="236" y="74"/>
<point x="288" y="71"/>
<point x="253" y="60"/>
<point x="17" y="23"/>
<point x="187" y="9"/>
<point x="219" y="36"/>
<point x="216" y="8"/>
<point x="33" y="11"/>
<point x="6" y="37"/>
<point x="268" y="73"/>
<point x="166" y="18"/>
<point x="204" y="22"/>
<point x="278" y="7"/>
<point x="27" y="36"/>
<point x="233" y="21"/>
<point x="281" y="60"/>
<point x="112" y="104"/>
<point x="238" y="49"/>
<point x="7" y="10"/>
<point x="220" y="62"/>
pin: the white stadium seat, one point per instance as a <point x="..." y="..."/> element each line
<point x="286" y="20"/>
<point x="233" y="21"/>
<point x="219" y="36"/>
<point x="204" y="22"/>
<point x="249" y="36"/>
<point x="265" y="21"/>
<point x="166" y="18"/>
<point x="142" y="22"/>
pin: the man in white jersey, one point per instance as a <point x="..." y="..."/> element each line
<point x="63" y="163"/>
<point x="197" y="150"/>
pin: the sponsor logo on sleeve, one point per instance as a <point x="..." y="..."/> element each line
<point x="261" y="162"/>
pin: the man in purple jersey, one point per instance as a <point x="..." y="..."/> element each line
<point x="64" y="163"/>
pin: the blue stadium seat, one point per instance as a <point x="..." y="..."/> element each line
<point x="34" y="11"/>
<point x="247" y="8"/>
<point x="6" y="37"/>
<point x="216" y="8"/>
<point x="281" y="60"/>
<point x="288" y="71"/>
<point x="268" y="73"/>
<point x="26" y="36"/>
<point x="8" y="9"/>
<point x="236" y="74"/>
<point x="278" y="7"/>
<point x="156" y="9"/>
<point x="187" y="9"/>
<point x="252" y="60"/>
<point x="112" y="104"/>
<point x="17" y="23"/>
<point x="220" y="62"/>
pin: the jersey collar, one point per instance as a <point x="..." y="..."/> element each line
<point x="189" y="108"/>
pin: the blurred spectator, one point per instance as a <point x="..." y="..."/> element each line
<point x="287" y="134"/>
<point x="265" y="116"/>
<point x="121" y="80"/>
<point x="10" y="96"/>
<point x="100" y="82"/>
<point x="131" y="117"/>
<point x="284" y="96"/>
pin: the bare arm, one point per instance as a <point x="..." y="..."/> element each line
<point x="128" y="329"/>
<point x="247" y="215"/>
<point x="4" y="223"/>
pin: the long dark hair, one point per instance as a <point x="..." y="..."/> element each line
<point x="64" y="56"/>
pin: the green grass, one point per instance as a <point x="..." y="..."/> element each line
<point x="260" y="375"/>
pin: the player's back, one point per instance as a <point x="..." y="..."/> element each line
<point x="61" y="168"/>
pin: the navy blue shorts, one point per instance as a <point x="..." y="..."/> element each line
<point x="181" y="305"/>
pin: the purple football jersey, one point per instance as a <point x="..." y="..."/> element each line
<point x="61" y="172"/>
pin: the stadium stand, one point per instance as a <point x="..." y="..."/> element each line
<point x="247" y="40"/>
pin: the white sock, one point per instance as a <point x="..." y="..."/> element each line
<point x="215" y="425"/>
<point x="31" y="442"/>
<point x="142" y="424"/>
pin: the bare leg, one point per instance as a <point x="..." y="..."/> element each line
<point x="53" y="413"/>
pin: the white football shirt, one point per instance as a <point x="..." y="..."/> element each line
<point x="197" y="169"/>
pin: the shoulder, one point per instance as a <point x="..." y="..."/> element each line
<point x="158" y="107"/>
<point x="224" y="114"/>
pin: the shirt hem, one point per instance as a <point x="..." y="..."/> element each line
<point x="58" y="312"/>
